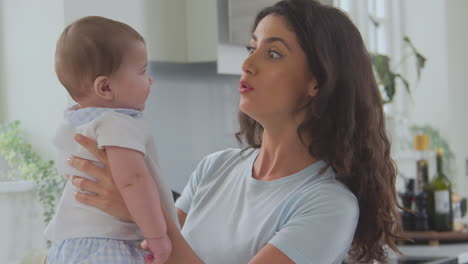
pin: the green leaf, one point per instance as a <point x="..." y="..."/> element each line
<point x="420" y="59"/>
<point x="438" y="141"/>
<point x="26" y="164"/>
<point x="385" y="75"/>
<point x="405" y="82"/>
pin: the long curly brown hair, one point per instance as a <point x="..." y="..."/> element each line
<point x="344" y="122"/>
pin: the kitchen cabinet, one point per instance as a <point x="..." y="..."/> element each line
<point x="235" y="20"/>
<point x="182" y="31"/>
<point x="178" y="31"/>
<point x="241" y="16"/>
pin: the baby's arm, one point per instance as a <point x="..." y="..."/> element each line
<point x="141" y="196"/>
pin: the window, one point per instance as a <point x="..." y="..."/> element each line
<point x="379" y="22"/>
<point x="376" y="21"/>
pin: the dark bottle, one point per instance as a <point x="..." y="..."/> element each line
<point x="421" y="218"/>
<point x="443" y="216"/>
<point x="424" y="193"/>
<point x="407" y="217"/>
<point x="421" y="145"/>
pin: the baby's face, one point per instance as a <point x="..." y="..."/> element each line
<point x="131" y="83"/>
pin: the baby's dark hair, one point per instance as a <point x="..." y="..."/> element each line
<point x="90" y="47"/>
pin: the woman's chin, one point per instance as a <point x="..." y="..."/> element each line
<point x="249" y="113"/>
<point x="244" y="108"/>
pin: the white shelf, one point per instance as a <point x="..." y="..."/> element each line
<point x="449" y="250"/>
<point x="16" y="186"/>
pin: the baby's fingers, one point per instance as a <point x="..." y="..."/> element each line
<point x="149" y="259"/>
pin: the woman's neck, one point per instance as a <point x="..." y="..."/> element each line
<point x="282" y="154"/>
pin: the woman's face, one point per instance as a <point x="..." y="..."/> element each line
<point x="275" y="80"/>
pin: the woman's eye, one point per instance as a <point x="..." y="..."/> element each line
<point x="273" y="54"/>
<point x="249" y="49"/>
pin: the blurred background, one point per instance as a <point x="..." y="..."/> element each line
<point x="196" y="49"/>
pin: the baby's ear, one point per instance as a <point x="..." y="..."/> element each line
<point x="102" y="89"/>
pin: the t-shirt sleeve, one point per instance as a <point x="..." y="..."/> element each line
<point x="185" y="200"/>
<point x="320" y="230"/>
<point x="120" y="130"/>
<point x="203" y="173"/>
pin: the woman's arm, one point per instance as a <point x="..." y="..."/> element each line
<point x="182" y="216"/>
<point x="108" y="199"/>
<point x="269" y="254"/>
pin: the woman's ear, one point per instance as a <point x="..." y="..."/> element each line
<point x="312" y="89"/>
<point x="102" y="89"/>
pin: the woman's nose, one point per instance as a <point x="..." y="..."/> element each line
<point x="248" y="66"/>
<point x="151" y="80"/>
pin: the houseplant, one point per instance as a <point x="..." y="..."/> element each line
<point x="387" y="78"/>
<point x="26" y="164"/>
<point x="387" y="74"/>
<point x="437" y="141"/>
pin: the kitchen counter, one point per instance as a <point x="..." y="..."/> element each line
<point x="442" y="254"/>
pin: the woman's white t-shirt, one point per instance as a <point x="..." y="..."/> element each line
<point x="310" y="216"/>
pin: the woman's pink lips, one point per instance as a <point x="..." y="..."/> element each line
<point x="244" y="87"/>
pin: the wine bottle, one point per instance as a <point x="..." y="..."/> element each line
<point x="424" y="193"/>
<point x="407" y="216"/>
<point x="443" y="219"/>
<point x="421" y="145"/>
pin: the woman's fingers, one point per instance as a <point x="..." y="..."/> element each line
<point x="105" y="196"/>
<point x="90" y="199"/>
<point x="89" y="167"/>
<point x="92" y="146"/>
<point x="86" y="185"/>
<point x="109" y="201"/>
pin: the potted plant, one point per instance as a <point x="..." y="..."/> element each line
<point x="437" y="141"/>
<point x="387" y="74"/>
<point x="26" y="169"/>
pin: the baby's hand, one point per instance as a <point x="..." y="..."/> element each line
<point x="160" y="249"/>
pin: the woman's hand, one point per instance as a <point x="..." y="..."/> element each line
<point x="107" y="197"/>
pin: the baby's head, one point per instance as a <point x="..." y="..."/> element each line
<point x="102" y="63"/>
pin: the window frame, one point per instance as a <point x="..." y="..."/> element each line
<point x="392" y="22"/>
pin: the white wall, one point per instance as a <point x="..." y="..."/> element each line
<point x="457" y="25"/>
<point x="426" y="26"/>
<point x="193" y="112"/>
<point x="31" y="92"/>
<point x="2" y="75"/>
<point x="438" y="31"/>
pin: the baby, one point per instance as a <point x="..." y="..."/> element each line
<point x="103" y="65"/>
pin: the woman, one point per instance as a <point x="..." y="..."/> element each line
<point x="317" y="180"/>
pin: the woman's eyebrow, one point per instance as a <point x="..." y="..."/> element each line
<point x="273" y="39"/>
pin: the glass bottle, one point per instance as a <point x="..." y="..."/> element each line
<point x="443" y="216"/>
<point x="424" y="193"/>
